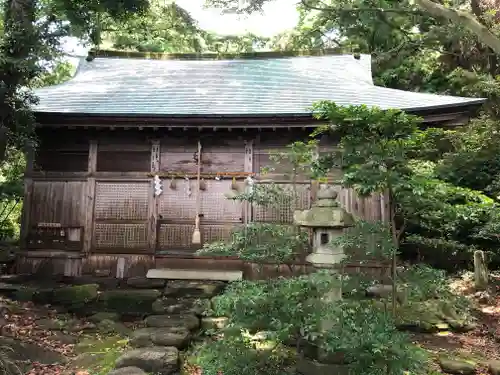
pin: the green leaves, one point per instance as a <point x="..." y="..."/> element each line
<point x="375" y="145"/>
<point x="261" y="243"/>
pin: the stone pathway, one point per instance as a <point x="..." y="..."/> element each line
<point x="177" y="318"/>
<point x="153" y="320"/>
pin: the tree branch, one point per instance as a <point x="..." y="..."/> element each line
<point x="326" y="8"/>
<point x="463" y="18"/>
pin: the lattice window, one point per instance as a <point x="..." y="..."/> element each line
<point x="178" y="203"/>
<point x="121" y="201"/>
<point x="127" y="236"/>
<point x="216" y="207"/>
<point x="282" y="211"/>
<point x="175" y="236"/>
<point x="213" y="233"/>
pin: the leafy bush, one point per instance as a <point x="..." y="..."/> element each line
<point x="280" y="305"/>
<point x="261" y="242"/>
<point x="369" y="339"/>
<point x="7" y="365"/>
<point x="294" y="308"/>
<point x="437" y="252"/>
<point x="239" y="354"/>
<point x="425" y="283"/>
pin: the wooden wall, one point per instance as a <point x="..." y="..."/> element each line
<point x="91" y="193"/>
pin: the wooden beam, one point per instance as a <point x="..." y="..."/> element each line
<point x="248" y="168"/>
<point x="153" y="199"/>
<point x="28" y="195"/>
<point x="90" y="198"/>
<point x="26" y="213"/>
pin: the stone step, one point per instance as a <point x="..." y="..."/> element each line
<point x="155" y="359"/>
<point x="163" y="336"/>
<point x="127" y="371"/>
<point x="191" y="322"/>
<point x="191" y="274"/>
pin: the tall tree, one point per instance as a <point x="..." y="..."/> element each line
<point x="31" y="33"/>
<point x="471" y="20"/>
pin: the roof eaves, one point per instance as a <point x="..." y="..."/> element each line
<point x="219" y="56"/>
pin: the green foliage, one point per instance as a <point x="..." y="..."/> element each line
<point x="426" y="283"/>
<point x="11" y="193"/>
<point x="367" y="240"/>
<point x="164" y="27"/>
<point x="236" y="355"/>
<point x="475" y="160"/>
<point x="282" y="306"/>
<point x="298" y="156"/>
<point x="261" y="242"/>
<point x="375" y="145"/>
<point x="61" y="71"/>
<point x="7" y="365"/>
<point x="295" y="308"/>
<point x="370" y="340"/>
<point x="264" y="195"/>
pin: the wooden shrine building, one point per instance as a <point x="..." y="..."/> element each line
<point x="90" y="205"/>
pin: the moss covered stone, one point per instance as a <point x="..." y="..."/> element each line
<point x="432" y="316"/>
<point x="191" y="322"/>
<point x="108" y="327"/>
<point x="494" y="367"/>
<point x="75" y="297"/>
<point x="193" y="289"/>
<point x="181" y="306"/>
<point x="104" y="315"/>
<point x="129" y="302"/>
<point x="457" y="366"/>
<point x="145" y="283"/>
<point x="24" y="294"/>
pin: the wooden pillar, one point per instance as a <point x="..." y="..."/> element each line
<point x="153" y="199"/>
<point x="248" y="168"/>
<point x="88" y="231"/>
<point x="27" y="201"/>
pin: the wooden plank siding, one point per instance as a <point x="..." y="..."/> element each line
<point x="123" y="228"/>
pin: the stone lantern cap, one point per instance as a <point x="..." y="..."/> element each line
<point x="325" y="212"/>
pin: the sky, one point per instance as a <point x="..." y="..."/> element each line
<point x="278" y="16"/>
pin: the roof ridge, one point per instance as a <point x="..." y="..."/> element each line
<point x="218" y="56"/>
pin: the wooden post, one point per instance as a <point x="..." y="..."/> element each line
<point x="90" y="198"/>
<point x="27" y="201"/>
<point x="248" y="167"/>
<point x="153" y="199"/>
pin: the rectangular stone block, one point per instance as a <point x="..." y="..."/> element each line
<point x="184" y="274"/>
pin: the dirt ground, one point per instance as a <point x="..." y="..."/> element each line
<point x="483" y="343"/>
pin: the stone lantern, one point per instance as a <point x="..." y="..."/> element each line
<point x="328" y="220"/>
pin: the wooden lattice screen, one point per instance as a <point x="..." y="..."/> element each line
<point x="282" y="211"/>
<point x="121" y="216"/>
<point x="177" y="211"/>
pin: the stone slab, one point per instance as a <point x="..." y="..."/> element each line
<point x="187" y="274"/>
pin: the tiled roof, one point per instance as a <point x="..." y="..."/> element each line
<point x="125" y="86"/>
